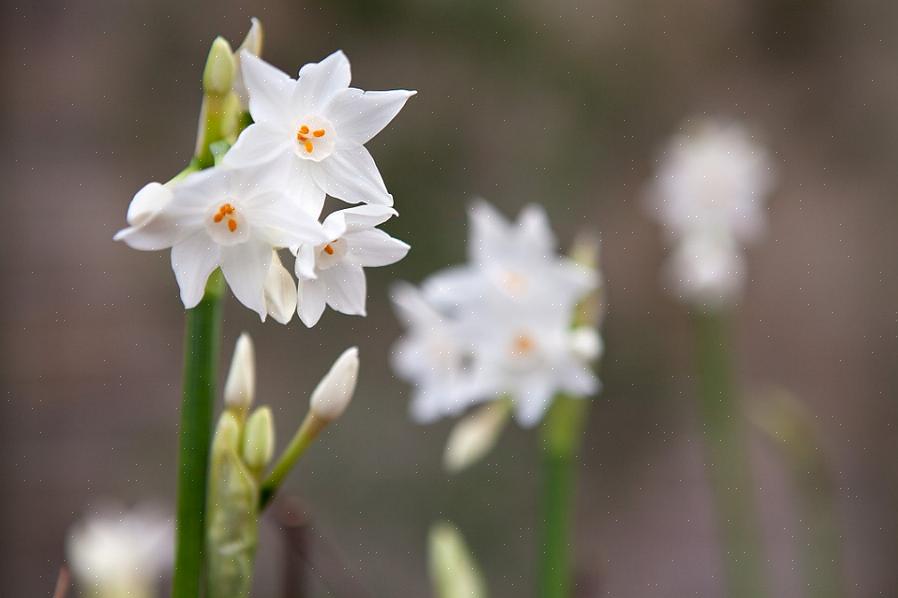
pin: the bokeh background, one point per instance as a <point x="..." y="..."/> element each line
<point x="564" y="103"/>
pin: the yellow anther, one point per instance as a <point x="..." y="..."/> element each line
<point x="232" y="225"/>
<point x="318" y="133"/>
<point x="328" y="249"/>
<point x="304" y="130"/>
<point x="309" y="147"/>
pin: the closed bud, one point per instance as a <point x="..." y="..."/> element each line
<point x="475" y="434"/>
<point x="258" y="439"/>
<point x="218" y="76"/>
<point x="227" y="434"/>
<point x="240" y="387"/>
<point x="333" y="393"/>
<point x="453" y="570"/>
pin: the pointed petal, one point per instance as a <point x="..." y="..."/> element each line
<point x="533" y="226"/>
<point x="360" y="115"/>
<point x="270" y="90"/>
<point x="245" y="267"/>
<point x="532" y="401"/>
<point x="320" y="81"/>
<point x="257" y="144"/>
<point x="374" y="247"/>
<point x="148" y="202"/>
<point x="350" y="174"/>
<point x="159" y="222"/>
<point x="366" y="216"/>
<point x="303" y="189"/>
<point x="305" y="262"/>
<point x="346" y="290"/>
<point x="311" y="301"/>
<point x="489" y="232"/>
<point x="280" y="291"/>
<point x="193" y="260"/>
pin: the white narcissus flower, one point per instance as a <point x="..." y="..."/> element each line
<point x="116" y="553"/>
<point x="320" y="125"/>
<point x="227" y="218"/>
<point x="332" y="272"/>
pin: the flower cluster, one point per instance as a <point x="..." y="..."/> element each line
<point x="500" y="325"/>
<point x="267" y="193"/>
<point x="709" y="195"/>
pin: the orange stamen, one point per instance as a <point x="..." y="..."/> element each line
<point x="523" y="344"/>
<point x="318" y="133"/>
<point x="304" y="130"/>
<point x="309" y="147"/>
<point x="218" y="218"/>
<point x="232" y="225"/>
<point x="328" y="249"/>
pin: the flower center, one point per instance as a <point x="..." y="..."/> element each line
<point x="226" y="211"/>
<point x="330" y="254"/>
<point x="315" y="138"/>
<point x="227" y="225"/>
<point x="522" y="345"/>
<point x="305" y="136"/>
<point x="514" y="283"/>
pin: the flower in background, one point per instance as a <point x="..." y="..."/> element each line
<point x="227" y="218"/>
<point x="115" y="553"/>
<point x="710" y="195"/>
<point x="332" y="272"/>
<point x="499" y="326"/>
<point x="319" y="125"/>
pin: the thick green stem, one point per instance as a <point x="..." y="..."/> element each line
<point x="200" y="360"/>
<point x="728" y="462"/>
<point x="560" y="439"/>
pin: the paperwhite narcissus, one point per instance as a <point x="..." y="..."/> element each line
<point x="332" y="272"/>
<point x="116" y="553"/>
<point x="227" y="218"/>
<point x="320" y="125"/>
<point x="500" y="325"/>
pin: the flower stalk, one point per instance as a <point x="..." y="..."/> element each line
<point x="728" y="462"/>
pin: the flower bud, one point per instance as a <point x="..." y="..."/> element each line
<point x="453" y="570"/>
<point x="227" y="434"/>
<point x="258" y="439"/>
<point x="280" y="291"/>
<point x="333" y="393"/>
<point x="240" y="387"/>
<point x="218" y="75"/>
<point x="474" y="435"/>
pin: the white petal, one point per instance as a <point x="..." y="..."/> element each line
<point x="350" y="174"/>
<point x="320" y="81"/>
<point x="193" y="260"/>
<point x="275" y="219"/>
<point x="280" y="291"/>
<point x="578" y="380"/>
<point x="257" y="144"/>
<point x="366" y="216"/>
<point x="532" y="401"/>
<point x="148" y="202"/>
<point x="489" y="232"/>
<point x="374" y="247"/>
<point x="245" y="267"/>
<point x="305" y="262"/>
<point x="533" y="225"/>
<point x="346" y="290"/>
<point x="270" y="90"/>
<point x="311" y="301"/>
<point x="166" y="225"/>
<point x="303" y="189"/>
<point x="360" y="115"/>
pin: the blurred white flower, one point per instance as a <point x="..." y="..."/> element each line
<point x="499" y="326"/>
<point x="332" y="272"/>
<point x="710" y="196"/>
<point x="115" y="553"/>
<point x="320" y="125"/>
<point x="228" y="218"/>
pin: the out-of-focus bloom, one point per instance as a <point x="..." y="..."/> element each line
<point x="228" y="218"/>
<point x="332" y="395"/>
<point x="710" y="195"/>
<point x="453" y="571"/>
<point x="319" y="125"/>
<point x="332" y="272"/>
<point x="116" y="553"/>
<point x="240" y="386"/>
<point x="500" y="325"/>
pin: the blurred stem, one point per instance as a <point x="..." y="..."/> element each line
<point x="308" y="431"/>
<point x="200" y="359"/>
<point x="560" y="439"/>
<point x="728" y="463"/>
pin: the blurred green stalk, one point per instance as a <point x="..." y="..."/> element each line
<point x="728" y="462"/>
<point x="560" y="439"/>
<point x="200" y="359"/>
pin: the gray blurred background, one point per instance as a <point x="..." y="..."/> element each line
<point x="565" y="103"/>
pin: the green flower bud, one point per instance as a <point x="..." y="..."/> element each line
<point x="258" y="439"/>
<point x="453" y="570"/>
<point x="218" y="75"/>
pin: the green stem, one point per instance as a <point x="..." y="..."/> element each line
<point x="200" y="360"/>
<point x="308" y="431"/>
<point x="822" y="540"/>
<point x="560" y="439"/>
<point x="728" y="462"/>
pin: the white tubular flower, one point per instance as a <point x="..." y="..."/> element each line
<point x="280" y="291"/>
<point x="332" y="272"/>
<point x="116" y="553"/>
<point x="252" y="43"/>
<point x="228" y="218"/>
<point x="430" y="356"/>
<point x="320" y="125"/>
<point x="240" y="387"/>
<point x="333" y="393"/>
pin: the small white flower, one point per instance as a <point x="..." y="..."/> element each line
<point x="116" y="552"/>
<point x="320" y="125"/>
<point x="240" y="386"/>
<point x="227" y="218"/>
<point x="332" y="272"/>
<point x="332" y="395"/>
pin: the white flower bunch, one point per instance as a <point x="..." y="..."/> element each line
<point x="709" y="195"/>
<point x="499" y="326"/>
<point x="267" y="193"/>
